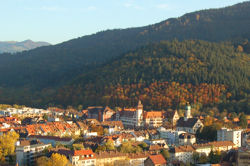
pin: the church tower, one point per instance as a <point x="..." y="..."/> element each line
<point x="187" y="112"/>
<point x="139" y="114"/>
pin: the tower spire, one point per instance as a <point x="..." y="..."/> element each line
<point x="187" y="112"/>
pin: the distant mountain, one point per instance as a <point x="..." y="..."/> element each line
<point x="13" y="46"/>
<point x="33" y="75"/>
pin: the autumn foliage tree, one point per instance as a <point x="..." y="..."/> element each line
<point x="7" y="144"/>
<point x="55" y="160"/>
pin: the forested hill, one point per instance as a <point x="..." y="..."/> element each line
<point x="163" y="75"/>
<point x="52" y="66"/>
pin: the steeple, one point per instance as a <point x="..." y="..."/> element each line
<point x="187" y="112"/>
<point x="140" y="106"/>
<point x="139" y="114"/>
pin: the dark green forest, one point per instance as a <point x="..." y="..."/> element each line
<point x="169" y="73"/>
<point x="208" y="50"/>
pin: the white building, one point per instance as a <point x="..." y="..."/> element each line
<point x="187" y="123"/>
<point x="131" y="117"/>
<point x="83" y="158"/>
<point x="28" y="151"/>
<point x="24" y="112"/>
<point x="225" y="134"/>
<point x="185" y="153"/>
<point x="172" y="136"/>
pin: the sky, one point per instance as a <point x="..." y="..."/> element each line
<point x="56" y="21"/>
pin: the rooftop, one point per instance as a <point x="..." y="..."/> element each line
<point x="157" y="159"/>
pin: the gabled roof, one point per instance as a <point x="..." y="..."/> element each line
<point x="157" y="159"/>
<point x="153" y="114"/>
<point x="189" y="123"/>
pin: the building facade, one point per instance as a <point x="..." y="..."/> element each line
<point x="27" y="151"/>
<point x="82" y="158"/>
<point x="131" y="117"/>
<point x="153" y="119"/>
<point x="101" y="114"/>
<point x="225" y="134"/>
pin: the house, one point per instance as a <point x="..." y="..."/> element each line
<point x="137" y="159"/>
<point x="101" y="113"/>
<point x="28" y="150"/>
<point x="155" y="160"/>
<point x="185" y="153"/>
<point x="233" y="135"/>
<point x="187" y="123"/>
<point x="153" y="134"/>
<point x="182" y="153"/>
<point x="153" y="119"/>
<point x="187" y="139"/>
<point x="92" y="122"/>
<point x="156" y="141"/>
<point x="112" y="126"/>
<point x="83" y="127"/>
<point x="157" y="148"/>
<point x="109" y="158"/>
<point x="116" y="139"/>
<point x="172" y="136"/>
<point x="82" y="158"/>
<point x="140" y="135"/>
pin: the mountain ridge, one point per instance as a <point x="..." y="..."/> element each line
<point x="15" y="46"/>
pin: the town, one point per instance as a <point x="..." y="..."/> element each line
<point x="99" y="136"/>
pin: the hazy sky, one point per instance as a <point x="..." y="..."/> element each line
<point x="56" y="21"/>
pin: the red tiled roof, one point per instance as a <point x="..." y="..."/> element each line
<point x="153" y="114"/>
<point x="157" y="159"/>
<point x="83" y="152"/>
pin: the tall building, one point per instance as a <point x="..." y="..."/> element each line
<point x="27" y="151"/>
<point x="225" y="134"/>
